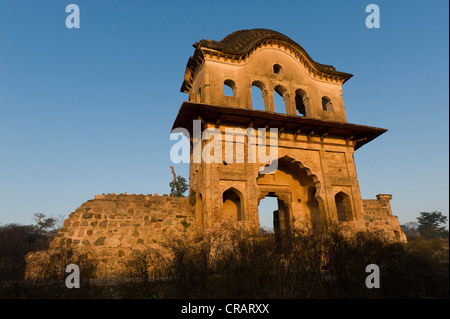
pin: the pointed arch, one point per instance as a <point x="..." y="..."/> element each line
<point x="301" y="101"/>
<point x="232" y="201"/>
<point x="343" y="207"/>
<point x="326" y="104"/>
<point x="282" y="91"/>
<point x="309" y="172"/>
<point x="306" y="199"/>
<point x="262" y="87"/>
<point x="229" y="88"/>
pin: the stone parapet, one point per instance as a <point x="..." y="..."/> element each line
<point x="378" y="218"/>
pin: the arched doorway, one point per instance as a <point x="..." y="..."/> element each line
<point x="296" y="190"/>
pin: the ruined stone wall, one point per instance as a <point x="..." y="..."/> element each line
<point x="379" y="219"/>
<point x="112" y="226"/>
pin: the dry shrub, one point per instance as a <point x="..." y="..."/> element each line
<point x="51" y="265"/>
<point x="228" y="261"/>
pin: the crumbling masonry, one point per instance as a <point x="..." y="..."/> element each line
<point x="316" y="183"/>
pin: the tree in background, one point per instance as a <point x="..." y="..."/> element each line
<point x="410" y="230"/>
<point x="429" y="225"/>
<point x="178" y="186"/>
<point x="18" y="240"/>
<point x="44" y="224"/>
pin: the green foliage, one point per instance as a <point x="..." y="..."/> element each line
<point x="430" y="225"/>
<point x="179" y="187"/>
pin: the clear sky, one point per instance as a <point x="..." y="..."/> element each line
<point x="89" y="111"/>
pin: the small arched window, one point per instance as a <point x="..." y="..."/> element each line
<point x="301" y="99"/>
<point x="229" y="88"/>
<point x="326" y="104"/>
<point x="279" y="99"/>
<point x="277" y="69"/>
<point x="258" y="102"/>
<point x="343" y="207"/>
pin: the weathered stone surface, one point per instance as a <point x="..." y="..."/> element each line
<point x="381" y="220"/>
<point x="100" y="241"/>
<point x="108" y="240"/>
<point x="168" y="222"/>
<point x="86" y="216"/>
<point x="315" y="181"/>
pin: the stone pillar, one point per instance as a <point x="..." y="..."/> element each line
<point x="290" y="104"/>
<point x="270" y="107"/>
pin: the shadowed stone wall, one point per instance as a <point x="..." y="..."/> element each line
<point x="379" y="219"/>
<point x="111" y="226"/>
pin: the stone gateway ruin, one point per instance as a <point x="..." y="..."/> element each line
<point x="315" y="181"/>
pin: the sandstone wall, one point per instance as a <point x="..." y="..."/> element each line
<point x="378" y="218"/>
<point x="111" y="226"/>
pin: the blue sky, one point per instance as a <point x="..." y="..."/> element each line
<point x="89" y="111"/>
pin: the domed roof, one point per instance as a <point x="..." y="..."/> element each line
<point x="241" y="42"/>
